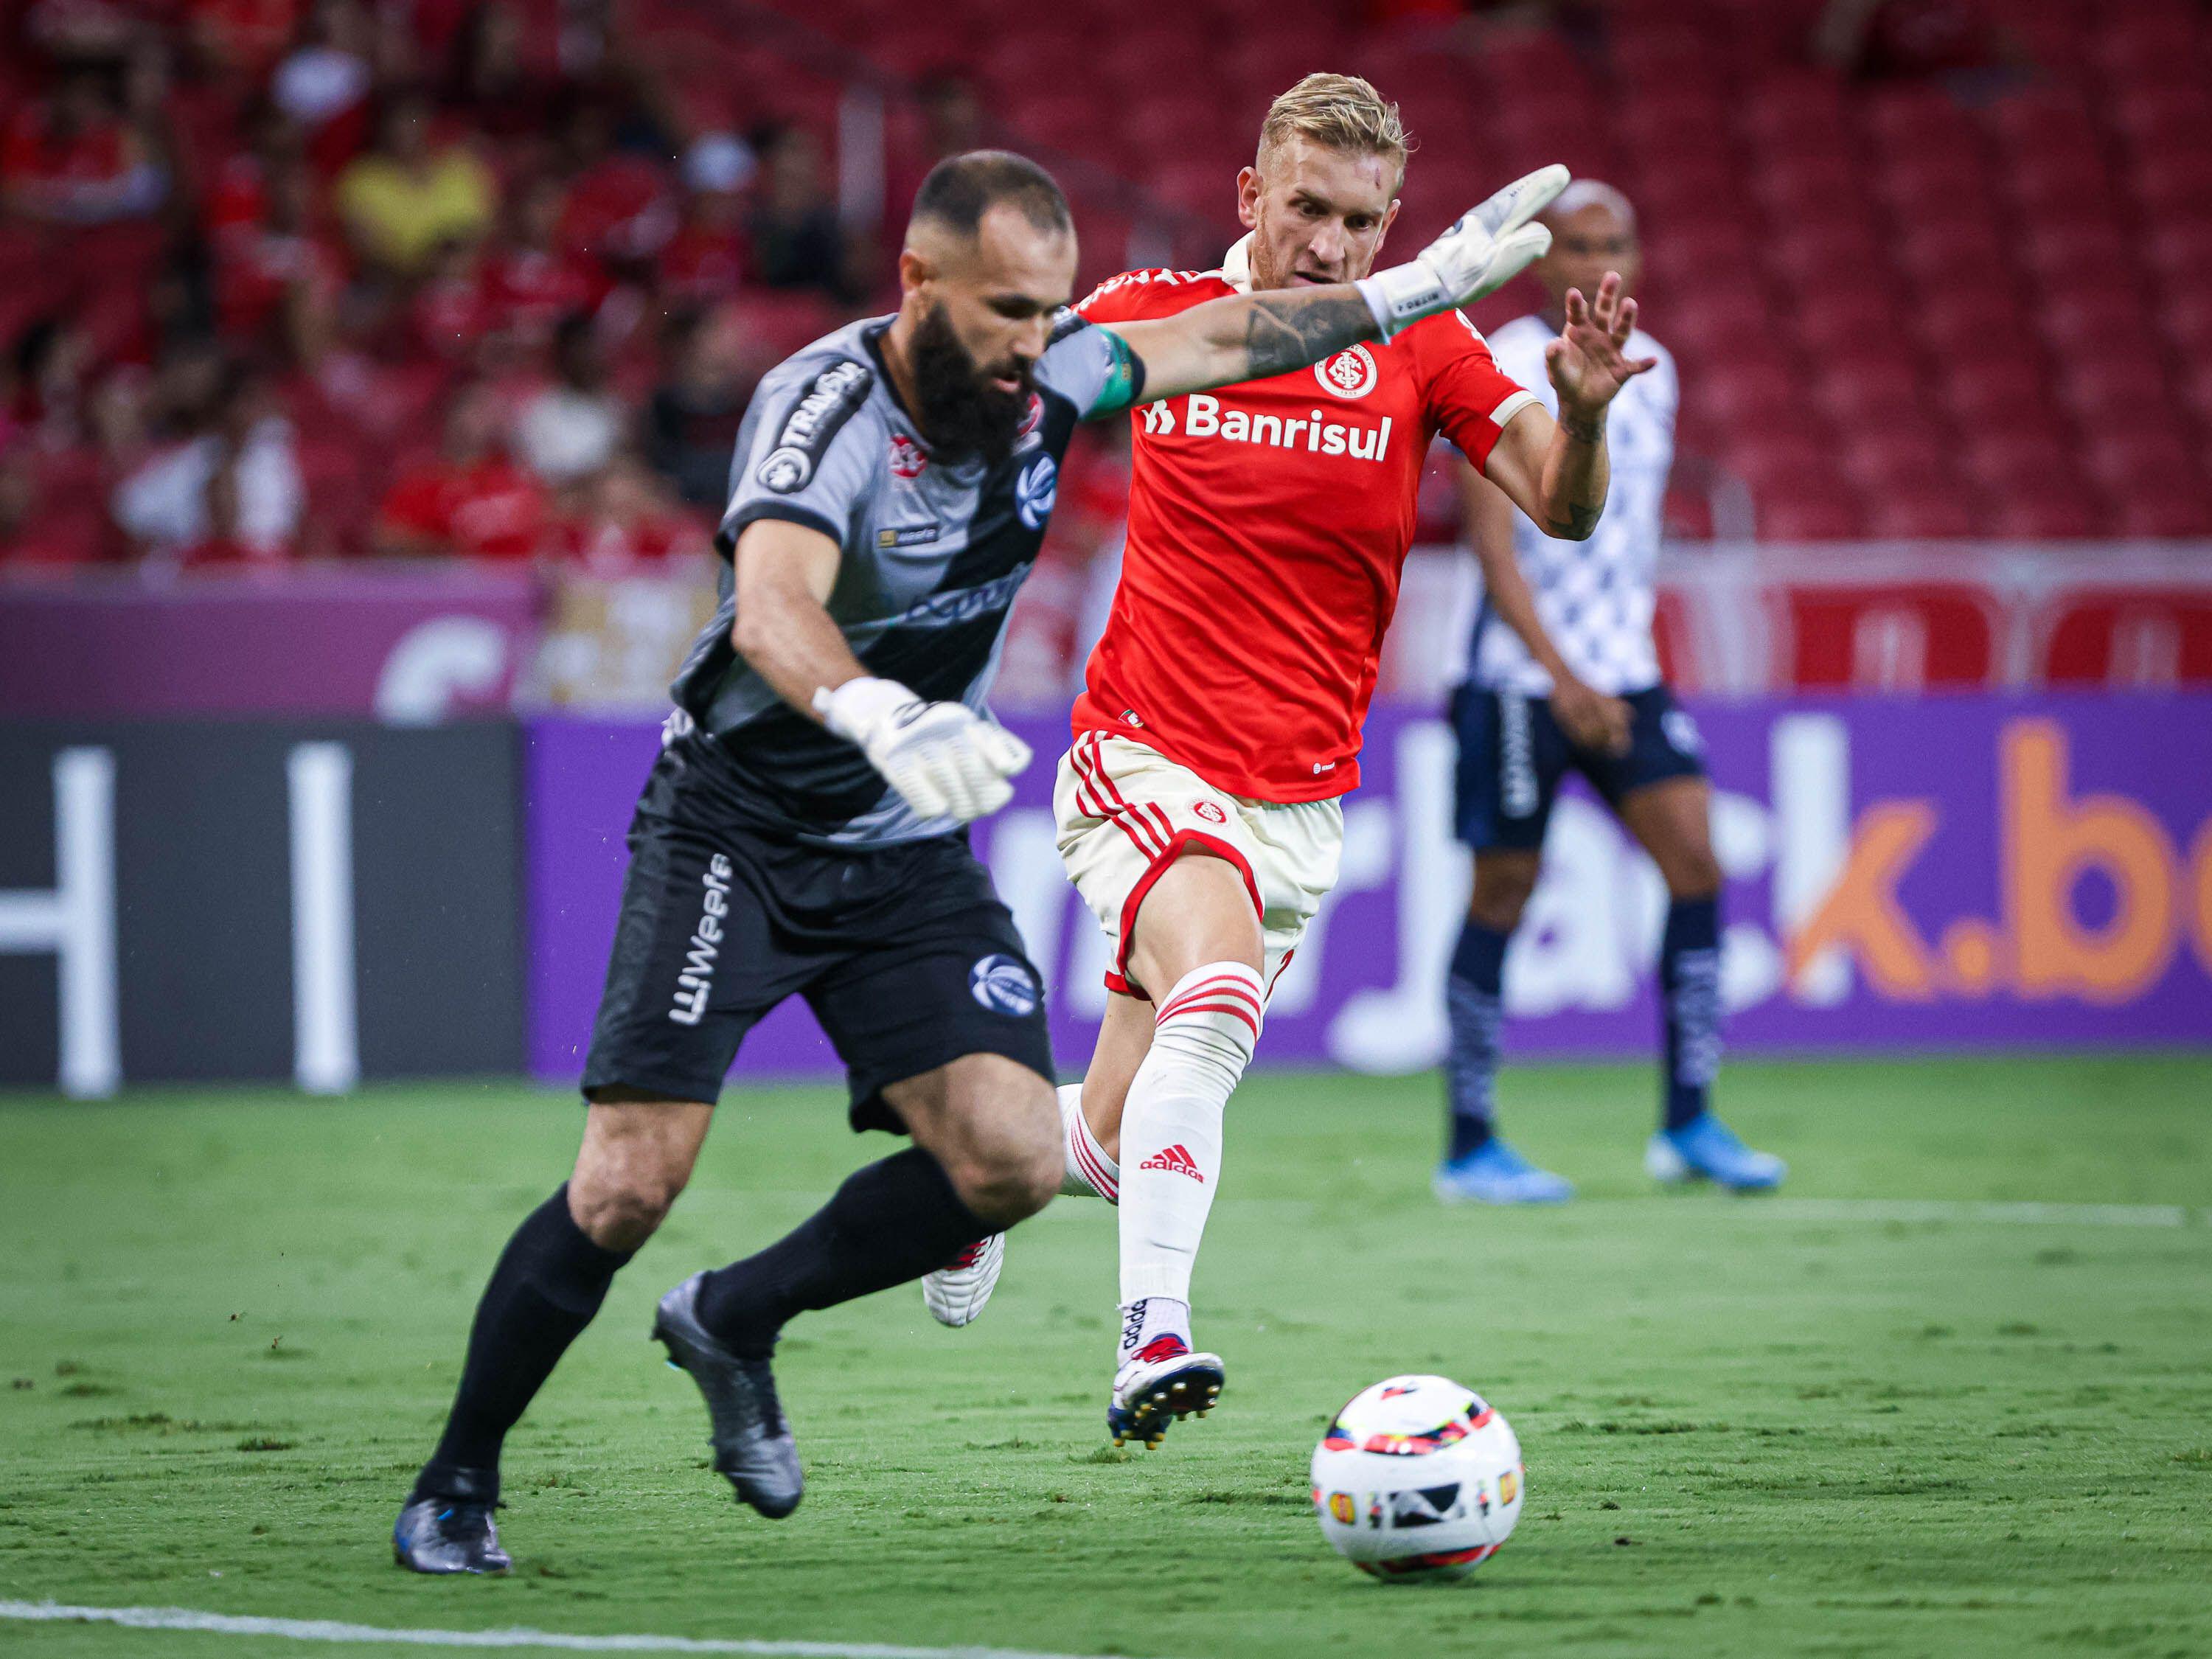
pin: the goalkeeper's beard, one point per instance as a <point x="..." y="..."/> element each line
<point x="960" y="412"/>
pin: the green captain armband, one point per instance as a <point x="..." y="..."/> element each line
<point x="1124" y="379"/>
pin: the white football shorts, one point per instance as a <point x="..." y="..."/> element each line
<point x="1125" y="812"/>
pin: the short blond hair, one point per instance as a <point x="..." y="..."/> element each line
<point x="1341" y="112"/>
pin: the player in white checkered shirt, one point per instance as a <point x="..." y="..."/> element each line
<point x="1562" y="675"/>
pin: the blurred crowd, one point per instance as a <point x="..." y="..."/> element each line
<point x="288" y="280"/>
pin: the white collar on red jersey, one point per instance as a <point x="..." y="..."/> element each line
<point x="1237" y="265"/>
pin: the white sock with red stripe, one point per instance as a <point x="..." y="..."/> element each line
<point x="1171" y="1128"/>
<point x="1090" y="1173"/>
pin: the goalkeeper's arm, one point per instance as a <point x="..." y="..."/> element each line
<point x="945" y="759"/>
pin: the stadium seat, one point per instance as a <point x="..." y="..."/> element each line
<point x="2112" y="388"/>
<point x="1819" y="511"/>
<point x="2165" y="508"/>
<point x="2008" y="462"/>
<point x="2044" y="510"/>
<point x="1868" y="394"/>
<point x="2173" y="183"/>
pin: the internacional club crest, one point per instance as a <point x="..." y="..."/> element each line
<point x="1350" y="373"/>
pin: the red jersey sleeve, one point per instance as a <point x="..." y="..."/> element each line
<point x="1469" y="397"/>
<point x="1131" y="297"/>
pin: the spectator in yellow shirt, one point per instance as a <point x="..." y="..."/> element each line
<point x="403" y="199"/>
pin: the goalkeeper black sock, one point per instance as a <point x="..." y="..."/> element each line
<point x="891" y="1221"/>
<point x="549" y="1281"/>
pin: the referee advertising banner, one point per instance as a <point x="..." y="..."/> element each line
<point x="314" y="903"/>
<point x="1988" y="870"/>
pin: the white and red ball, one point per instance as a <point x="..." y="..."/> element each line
<point x="1417" y="1478"/>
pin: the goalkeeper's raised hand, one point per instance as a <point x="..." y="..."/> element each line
<point x="1486" y="249"/>
<point x="944" y="760"/>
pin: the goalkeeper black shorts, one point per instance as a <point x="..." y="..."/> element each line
<point x="904" y="953"/>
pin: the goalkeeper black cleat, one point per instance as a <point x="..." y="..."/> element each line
<point x="450" y="1532"/>
<point x="752" y="1441"/>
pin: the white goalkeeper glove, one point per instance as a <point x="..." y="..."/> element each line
<point x="1486" y="249"/>
<point x="945" y="759"/>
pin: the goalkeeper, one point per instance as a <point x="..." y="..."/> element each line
<point x="802" y="833"/>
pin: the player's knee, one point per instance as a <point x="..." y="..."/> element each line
<point x="1011" y="1170"/>
<point x="1501" y="894"/>
<point x="1694" y="875"/>
<point x="619" y="1209"/>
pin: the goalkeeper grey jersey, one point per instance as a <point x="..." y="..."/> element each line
<point x="933" y="553"/>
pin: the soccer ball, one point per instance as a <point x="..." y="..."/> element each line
<point x="1417" y="1478"/>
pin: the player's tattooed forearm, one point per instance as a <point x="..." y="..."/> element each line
<point x="1582" y="428"/>
<point x="1283" y="332"/>
<point x="1577" y="523"/>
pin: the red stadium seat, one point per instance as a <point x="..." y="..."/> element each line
<point x="2112" y="388"/>
<point x="1750" y="394"/>
<point x="1817" y="510"/>
<point x="2041" y="181"/>
<point x="1851" y="321"/>
<point x="2167" y="508"/>
<point x="2196" y="388"/>
<point x="1925" y="512"/>
<point x="2171" y="183"/>
<point x="2129" y="637"/>
<point x="1869" y="394"/>
<point x="2179" y="253"/>
<point x="1899" y="638"/>
<point x="1954" y="252"/>
<point x="2044" y="510"/>
<point x="2186" y="318"/>
<point x="1780" y="102"/>
<point x="2005" y="463"/>
<point x="2101" y="325"/>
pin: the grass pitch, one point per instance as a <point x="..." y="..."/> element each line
<point x="233" y="1321"/>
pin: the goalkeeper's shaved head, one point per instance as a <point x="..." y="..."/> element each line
<point x="961" y="189"/>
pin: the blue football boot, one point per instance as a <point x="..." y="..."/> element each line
<point x="451" y="1531"/>
<point x="1493" y="1173"/>
<point x="1706" y="1149"/>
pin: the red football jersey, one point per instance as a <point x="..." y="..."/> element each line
<point x="1268" y="524"/>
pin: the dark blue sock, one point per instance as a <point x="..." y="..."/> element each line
<point x="1690" y="990"/>
<point x="1478" y="970"/>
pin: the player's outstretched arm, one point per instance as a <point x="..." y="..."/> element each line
<point x="945" y="759"/>
<point x="1557" y="471"/>
<point x="1251" y="336"/>
<point x="1248" y="336"/>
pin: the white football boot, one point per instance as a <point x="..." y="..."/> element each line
<point x="956" y="1292"/>
<point x="1163" y="1382"/>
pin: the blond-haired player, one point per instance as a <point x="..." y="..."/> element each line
<point x="1198" y="808"/>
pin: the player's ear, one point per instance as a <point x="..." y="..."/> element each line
<point x="1389" y="216"/>
<point x="914" y="271"/>
<point x="1248" y="187"/>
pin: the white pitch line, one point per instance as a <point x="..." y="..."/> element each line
<point x="1942" y="1209"/>
<point x="330" y="1630"/>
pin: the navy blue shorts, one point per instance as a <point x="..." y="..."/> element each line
<point x="1513" y="756"/>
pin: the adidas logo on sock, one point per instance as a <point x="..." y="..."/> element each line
<point x="1174" y="1159"/>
